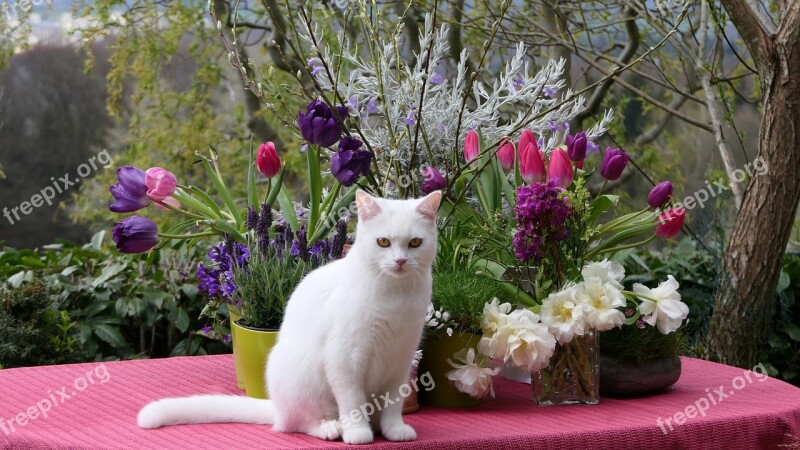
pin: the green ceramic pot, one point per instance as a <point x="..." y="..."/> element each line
<point x="436" y="349"/>
<point x="253" y="346"/>
<point x="234" y="316"/>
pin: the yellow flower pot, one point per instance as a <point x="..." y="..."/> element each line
<point x="234" y="316"/>
<point x="436" y="349"/>
<point x="253" y="346"/>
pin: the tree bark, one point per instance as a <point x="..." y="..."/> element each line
<point x="754" y="254"/>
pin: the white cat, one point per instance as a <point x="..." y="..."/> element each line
<point x="348" y="336"/>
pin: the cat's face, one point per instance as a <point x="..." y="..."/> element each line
<point x="398" y="237"/>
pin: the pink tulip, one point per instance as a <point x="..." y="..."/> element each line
<point x="160" y="183"/>
<point x="526" y="138"/>
<point x="531" y="163"/>
<point x="670" y="222"/>
<point x="471" y="146"/>
<point x="267" y="160"/>
<point x="560" y="168"/>
<point x="506" y="155"/>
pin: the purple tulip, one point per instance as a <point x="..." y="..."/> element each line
<point x="135" y="234"/>
<point x="659" y="194"/>
<point x="614" y="162"/>
<point x="576" y="146"/>
<point x="130" y="192"/>
<point x="350" y="162"/>
<point x="434" y="181"/>
<point x="318" y="125"/>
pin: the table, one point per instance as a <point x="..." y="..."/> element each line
<point x="94" y="406"/>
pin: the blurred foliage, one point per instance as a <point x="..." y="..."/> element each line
<point x="33" y="331"/>
<point x="120" y="306"/>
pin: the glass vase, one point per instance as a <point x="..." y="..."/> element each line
<point x="573" y="376"/>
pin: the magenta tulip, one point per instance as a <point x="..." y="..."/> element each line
<point x="560" y="168"/>
<point x="531" y="163"/>
<point x="576" y="146"/>
<point x="434" y="180"/>
<point x="506" y="154"/>
<point x="670" y="222"/>
<point x="160" y="183"/>
<point x="659" y="194"/>
<point x="267" y="160"/>
<point x="471" y="145"/>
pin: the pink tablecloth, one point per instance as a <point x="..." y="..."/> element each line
<point x="94" y="407"/>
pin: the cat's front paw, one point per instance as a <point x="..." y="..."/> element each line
<point x="358" y="435"/>
<point x="400" y="433"/>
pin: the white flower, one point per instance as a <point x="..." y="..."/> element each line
<point x="521" y="339"/>
<point x="606" y="271"/>
<point x="600" y="301"/>
<point x="663" y="304"/>
<point x="494" y="316"/>
<point x="470" y="378"/>
<point x="530" y="344"/>
<point x="563" y="316"/>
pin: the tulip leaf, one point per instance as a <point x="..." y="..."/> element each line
<point x="275" y="188"/>
<point x="197" y="205"/>
<point x="331" y="218"/>
<point x="600" y="205"/>
<point x="207" y="200"/>
<point x="223" y="191"/>
<point x="287" y="209"/>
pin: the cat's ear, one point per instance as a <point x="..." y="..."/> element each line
<point x="368" y="206"/>
<point x="429" y="205"/>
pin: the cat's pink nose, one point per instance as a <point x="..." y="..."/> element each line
<point x="400" y="262"/>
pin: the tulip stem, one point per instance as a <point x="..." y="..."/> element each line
<point x="187" y="236"/>
<point x="627" y="246"/>
<point x="602" y="188"/>
<point x="181" y="211"/>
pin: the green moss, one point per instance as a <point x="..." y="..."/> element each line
<point x="641" y="344"/>
<point x="463" y="294"/>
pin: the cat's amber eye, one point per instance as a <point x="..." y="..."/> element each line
<point x="383" y="242"/>
<point x="414" y="243"/>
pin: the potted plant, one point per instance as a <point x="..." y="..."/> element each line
<point x="264" y="276"/>
<point x="453" y="327"/>
<point x="639" y="359"/>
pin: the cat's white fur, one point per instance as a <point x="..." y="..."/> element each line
<point x="348" y="336"/>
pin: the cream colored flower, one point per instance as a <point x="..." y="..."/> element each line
<point x="494" y="316"/>
<point x="563" y="316"/>
<point x="607" y="271"/>
<point x="663" y="305"/>
<point x="530" y="344"/>
<point x="471" y="377"/>
<point x="600" y="301"/>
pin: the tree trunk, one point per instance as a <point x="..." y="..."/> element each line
<point x="754" y="254"/>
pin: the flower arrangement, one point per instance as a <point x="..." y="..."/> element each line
<point x="546" y="256"/>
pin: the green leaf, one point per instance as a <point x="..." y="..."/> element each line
<point x="783" y="282"/>
<point x="252" y="193"/>
<point x="97" y="241"/>
<point x="287" y="208"/>
<point x="600" y="205"/>
<point x="110" y="335"/>
<point x="107" y="273"/>
<point x="181" y="320"/>
<point x="223" y="191"/>
<point x="793" y="331"/>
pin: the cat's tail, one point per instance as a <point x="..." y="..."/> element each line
<point x="206" y="409"/>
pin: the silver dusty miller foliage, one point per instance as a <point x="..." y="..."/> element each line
<point x="383" y="93"/>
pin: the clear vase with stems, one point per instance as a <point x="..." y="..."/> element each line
<point x="572" y="377"/>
